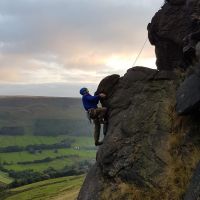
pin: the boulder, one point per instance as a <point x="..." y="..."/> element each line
<point x="188" y="95"/>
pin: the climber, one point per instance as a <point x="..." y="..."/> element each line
<point x="94" y="112"/>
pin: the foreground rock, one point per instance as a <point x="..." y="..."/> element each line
<point x="188" y="95"/>
<point x="149" y="152"/>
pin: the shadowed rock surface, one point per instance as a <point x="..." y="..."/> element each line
<point x="148" y="148"/>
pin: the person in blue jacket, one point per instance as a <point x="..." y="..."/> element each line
<point x="97" y="114"/>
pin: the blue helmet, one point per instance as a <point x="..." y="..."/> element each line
<point x="83" y="91"/>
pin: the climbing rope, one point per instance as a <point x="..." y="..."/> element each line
<point x="136" y="59"/>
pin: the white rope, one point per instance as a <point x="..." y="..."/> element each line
<point x="136" y="59"/>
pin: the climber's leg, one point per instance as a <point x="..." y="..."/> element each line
<point x="97" y="130"/>
<point x="105" y="128"/>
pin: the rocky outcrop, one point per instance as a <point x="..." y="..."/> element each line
<point x="152" y="147"/>
<point x="168" y="28"/>
<point x="149" y="151"/>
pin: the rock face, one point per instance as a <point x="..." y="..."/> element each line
<point x="149" y="151"/>
<point x="168" y="28"/>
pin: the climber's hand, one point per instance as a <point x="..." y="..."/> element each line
<point x="102" y="95"/>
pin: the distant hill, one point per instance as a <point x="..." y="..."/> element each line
<point x="42" y="138"/>
<point x="21" y="115"/>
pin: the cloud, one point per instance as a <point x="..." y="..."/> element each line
<point x="50" y="41"/>
<point x="55" y="89"/>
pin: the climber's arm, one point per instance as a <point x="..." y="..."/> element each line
<point x="93" y="98"/>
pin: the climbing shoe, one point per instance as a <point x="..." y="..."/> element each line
<point x="98" y="143"/>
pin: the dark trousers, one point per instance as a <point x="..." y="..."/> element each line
<point x="98" y="116"/>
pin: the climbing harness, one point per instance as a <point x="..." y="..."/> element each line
<point x="136" y="59"/>
<point x="91" y="114"/>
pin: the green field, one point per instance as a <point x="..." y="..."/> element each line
<point x="55" y="189"/>
<point x="42" y="138"/>
<point x="71" y="156"/>
<point x="25" y="156"/>
<point x="4" y="178"/>
<point x="56" y="164"/>
<point x="25" y="140"/>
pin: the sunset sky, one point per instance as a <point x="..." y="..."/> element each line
<point x="54" y="47"/>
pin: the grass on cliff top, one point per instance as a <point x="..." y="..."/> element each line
<point x="65" y="188"/>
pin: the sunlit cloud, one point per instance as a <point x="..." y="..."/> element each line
<point x="72" y="41"/>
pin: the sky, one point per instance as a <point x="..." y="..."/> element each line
<point x="55" y="47"/>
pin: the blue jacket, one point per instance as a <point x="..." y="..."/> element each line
<point x="90" y="101"/>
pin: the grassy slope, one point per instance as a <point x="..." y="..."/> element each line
<point x="54" y="189"/>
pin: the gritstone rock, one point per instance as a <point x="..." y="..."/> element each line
<point x="150" y="152"/>
<point x="170" y="25"/>
<point x="140" y="146"/>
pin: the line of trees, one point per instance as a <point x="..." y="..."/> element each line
<point x="30" y="176"/>
<point x="13" y="131"/>
<point x="37" y="147"/>
<point x="47" y="159"/>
